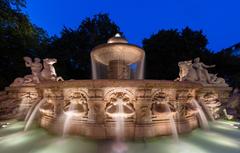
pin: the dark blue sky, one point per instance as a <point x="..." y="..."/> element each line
<point x="138" y="19"/>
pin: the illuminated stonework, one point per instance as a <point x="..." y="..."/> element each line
<point x="113" y="60"/>
<point x="115" y="98"/>
<point x="144" y="105"/>
<point x="75" y="101"/>
<point x="118" y="100"/>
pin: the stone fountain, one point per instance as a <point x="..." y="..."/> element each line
<point x="117" y="97"/>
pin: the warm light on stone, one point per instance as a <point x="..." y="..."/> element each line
<point x="118" y="102"/>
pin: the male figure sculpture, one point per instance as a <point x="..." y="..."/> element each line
<point x="35" y="66"/>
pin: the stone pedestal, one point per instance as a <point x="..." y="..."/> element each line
<point x="118" y="70"/>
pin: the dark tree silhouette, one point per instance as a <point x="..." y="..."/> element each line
<point x="73" y="47"/>
<point x="228" y="64"/>
<point x="166" y="48"/>
<point x="18" y="38"/>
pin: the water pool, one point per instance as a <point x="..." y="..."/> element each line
<point x="222" y="137"/>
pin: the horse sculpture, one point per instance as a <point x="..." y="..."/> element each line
<point x="40" y="72"/>
<point x="48" y="72"/>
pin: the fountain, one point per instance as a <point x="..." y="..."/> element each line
<point x="113" y="60"/>
<point x="202" y="116"/>
<point x="68" y="118"/>
<point x="172" y="123"/>
<point x="33" y="114"/>
<point x="118" y="103"/>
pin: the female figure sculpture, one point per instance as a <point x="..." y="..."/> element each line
<point x="201" y="70"/>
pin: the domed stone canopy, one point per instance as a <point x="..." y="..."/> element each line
<point x="117" y="39"/>
<point x="117" y="49"/>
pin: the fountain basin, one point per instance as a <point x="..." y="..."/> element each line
<point x="106" y="53"/>
<point x="99" y="96"/>
<point x="146" y="115"/>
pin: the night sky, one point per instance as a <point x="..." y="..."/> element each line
<point x="138" y="19"/>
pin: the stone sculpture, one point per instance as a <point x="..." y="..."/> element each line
<point x="196" y="71"/>
<point x="48" y="72"/>
<point x="77" y="104"/>
<point x="160" y="100"/>
<point x="35" y="66"/>
<point x="213" y="104"/>
<point x="40" y="72"/>
<point x="232" y="108"/>
<point x="113" y="106"/>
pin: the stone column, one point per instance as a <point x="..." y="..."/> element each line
<point x="143" y="113"/>
<point x="59" y="102"/>
<point x="96" y="106"/>
<point x="96" y="114"/>
<point x="53" y="107"/>
<point x="118" y="70"/>
<point x="184" y="124"/>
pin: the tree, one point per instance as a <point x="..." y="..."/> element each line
<point x="166" y="48"/>
<point x="228" y="64"/>
<point x="12" y="5"/>
<point x="73" y="47"/>
<point x="18" y="38"/>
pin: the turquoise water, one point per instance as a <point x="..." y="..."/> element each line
<point x="221" y="138"/>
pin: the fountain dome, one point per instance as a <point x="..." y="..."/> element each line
<point x="117" y="56"/>
<point x="117" y="39"/>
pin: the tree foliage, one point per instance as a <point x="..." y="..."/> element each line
<point x="73" y="47"/>
<point x="228" y="64"/>
<point x="18" y="38"/>
<point x="164" y="49"/>
<point x="167" y="47"/>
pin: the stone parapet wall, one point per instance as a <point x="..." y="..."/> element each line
<point x="17" y="101"/>
<point x="144" y="102"/>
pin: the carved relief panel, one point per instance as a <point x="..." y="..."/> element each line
<point x="119" y="102"/>
<point x="184" y="103"/>
<point x="211" y="101"/>
<point x="75" y="102"/>
<point x="53" y="98"/>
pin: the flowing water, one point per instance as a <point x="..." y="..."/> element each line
<point x="172" y="123"/>
<point x="30" y="111"/>
<point x="202" y="116"/>
<point x="223" y="138"/>
<point x="68" y="118"/>
<point x="94" y="69"/>
<point x="100" y="71"/>
<point x="118" y="145"/>
<point x="206" y="110"/>
<point x="140" y="69"/>
<point x="119" y="120"/>
<point x="33" y="114"/>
